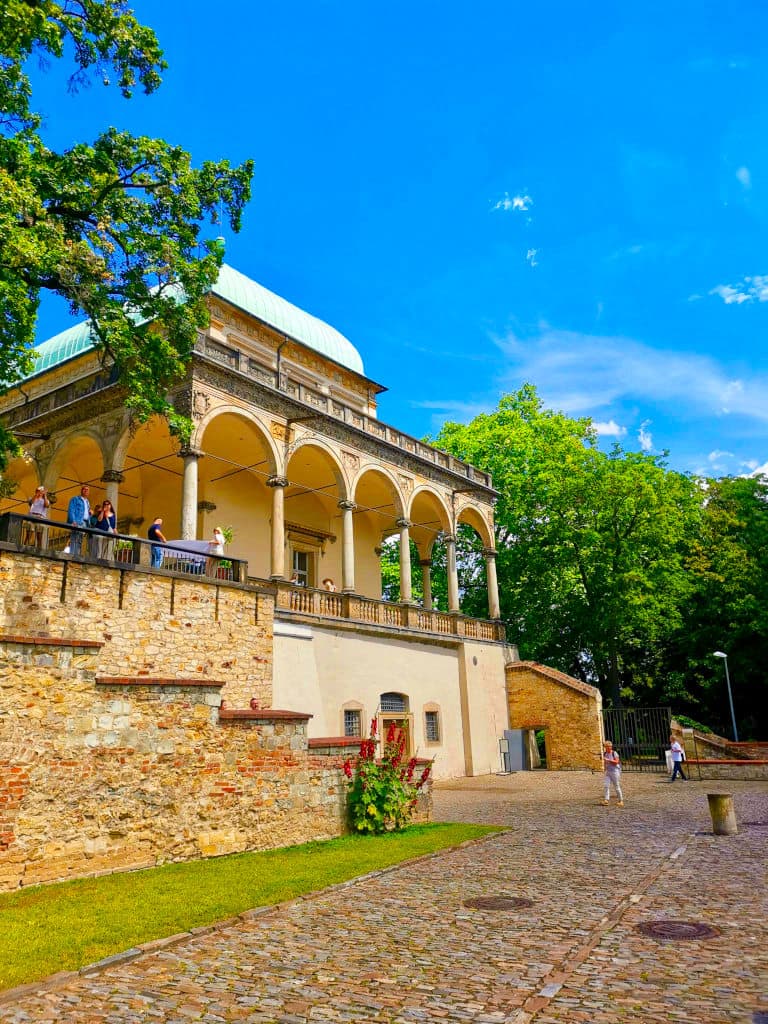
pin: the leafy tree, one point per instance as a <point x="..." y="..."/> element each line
<point x="591" y="545"/>
<point x="726" y="609"/>
<point x="112" y="226"/>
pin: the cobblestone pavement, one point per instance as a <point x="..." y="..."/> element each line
<point x="400" y="947"/>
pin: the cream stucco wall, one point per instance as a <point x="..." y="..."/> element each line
<point x="320" y="670"/>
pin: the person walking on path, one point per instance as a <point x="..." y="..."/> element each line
<point x="612" y="769"/>
<point x="678" y="756"/>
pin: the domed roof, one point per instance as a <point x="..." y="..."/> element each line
<point x="253" y="298"/>
<point x="247" y="295"/>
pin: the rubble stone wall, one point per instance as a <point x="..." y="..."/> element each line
<point x="101" y="776"/>
<point x="569" y="711"/>
<point x="149" y="624"/>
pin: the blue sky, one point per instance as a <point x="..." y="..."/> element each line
<point x="483" y="195"/>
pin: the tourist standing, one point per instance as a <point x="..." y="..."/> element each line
<point x="78" y="514"/>
<point x="155" y="533"/>
<point x="215" y="551"/>
<point x="678" y="756"/>
<point x="106" y="521"/>
<point x="38" y="507"/>
<point x="612" y="769"/>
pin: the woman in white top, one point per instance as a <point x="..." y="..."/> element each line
<point x="215" y="551"/>
<point x="38" y="507"/>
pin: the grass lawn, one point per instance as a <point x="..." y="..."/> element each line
<point x="65" y="926"/>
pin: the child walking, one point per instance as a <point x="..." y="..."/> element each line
<point x="612" y="768"/>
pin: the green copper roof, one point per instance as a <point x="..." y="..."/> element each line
<point x="62" y="347"/>
<point x="253" y="298"/>
<point x="240" y="291"/>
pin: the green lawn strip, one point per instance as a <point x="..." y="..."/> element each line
<point x="65" y="926"/>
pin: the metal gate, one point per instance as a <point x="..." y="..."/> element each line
<point x="641" y="736"/>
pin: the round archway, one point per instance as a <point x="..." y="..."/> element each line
<point x="379" y="509"/>
<point x="314" y="488"/>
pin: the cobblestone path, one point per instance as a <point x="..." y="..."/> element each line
<point x="401" y="947"/>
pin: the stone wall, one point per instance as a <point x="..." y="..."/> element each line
<point x="570" y="711"/>
<point x="100" y="774"/>
<point x="148" y="623"/>
<point x="735" y="770"/>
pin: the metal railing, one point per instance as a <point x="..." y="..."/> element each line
<point x="322" y="603"/>
<point x="83" y="544"/>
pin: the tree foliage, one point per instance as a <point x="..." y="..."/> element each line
<point x="113" y="226"/>
<point x="592" y="545"/>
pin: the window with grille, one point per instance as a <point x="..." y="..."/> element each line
<point x="393" y="702"/>
<point x="432" y="726"/>
<point x="353" y="722"/>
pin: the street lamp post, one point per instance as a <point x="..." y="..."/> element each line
<point x="724" y="656"/>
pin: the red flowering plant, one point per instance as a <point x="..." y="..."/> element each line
<point x="383" y="792"/>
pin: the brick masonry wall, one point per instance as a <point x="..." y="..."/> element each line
<point x="569" y="710"/>
<point x="148" y="623"/>
<point x="104" y="777"/>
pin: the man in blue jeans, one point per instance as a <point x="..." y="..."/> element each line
<point x="78" y="514"/>
<point x="155" y="533"/>
<point x="677" y="759"/>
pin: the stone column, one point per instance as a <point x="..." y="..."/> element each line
<point x="426" y="577"/>
<point x="278" y="485"/>
<point x="406" y="596"/>
<point x="453" y="576"/>
<point x="112" y="478"/>
<point x="494" y="610"/>
<point x="189" y="493"/>
<point x="347" y="546"/>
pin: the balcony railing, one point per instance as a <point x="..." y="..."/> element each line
<point x="31" y="534"/>
<point x="306" y="601"/>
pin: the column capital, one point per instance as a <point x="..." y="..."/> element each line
<point x="347" y="506"/>
<point x="404" y="524"/>
<point x="188" y="452"/>
<point x="449" y="538"/>
<point x="277" y="481"/>
<point x="490" y="552"/>
<point x="111" y="476"/>
<point x="425" y="563"/>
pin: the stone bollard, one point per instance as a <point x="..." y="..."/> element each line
<point x="723" y="814"/>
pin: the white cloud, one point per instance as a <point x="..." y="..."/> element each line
<point x="744" y="177"/>
<point x="609" y="429"/>
<point x="717" y="455"/>
<point x="760" y="470"/>
<point x="519" y="202"/>
<point x="749" y="289"/>
<point x="644" y="436"/>
<point x="582" y="374"/>
<point x="531" y="257"/>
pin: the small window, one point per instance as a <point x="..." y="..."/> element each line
<point x="432" y="726"/>
<point x="394" y="702"/>
<point x="353" y="722"/>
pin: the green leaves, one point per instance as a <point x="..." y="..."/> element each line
<point x="114" y="226"/>
<point x="591" y="545"/>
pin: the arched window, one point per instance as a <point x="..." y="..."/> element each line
<point x="397" y="702"/>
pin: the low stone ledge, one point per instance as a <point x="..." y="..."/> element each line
<point x="335" y="741"/>
<point x="724" y="760"/>
<point x="261" y="715"/>
<point x="156" y="681"/>
<point x="49" y="641"/>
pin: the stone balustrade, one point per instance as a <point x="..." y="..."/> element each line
<point x="306" y="601"/>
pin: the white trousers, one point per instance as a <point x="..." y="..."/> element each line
<point x="613" y="778"/>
